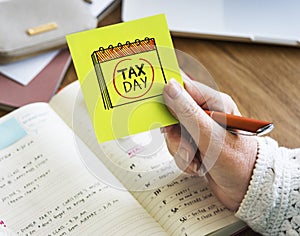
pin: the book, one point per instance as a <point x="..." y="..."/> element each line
<point x="24" y="71"/>
<point x="56" y="179"/>
<point x="40" y="89"/>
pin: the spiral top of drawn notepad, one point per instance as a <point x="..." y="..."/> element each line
<point x="128" y="48"/>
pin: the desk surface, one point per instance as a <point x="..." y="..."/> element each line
<point x="264" y="80"/>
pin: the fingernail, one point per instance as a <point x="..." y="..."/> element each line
<point x="173" y="89"/>
<point x="184" y="154"/>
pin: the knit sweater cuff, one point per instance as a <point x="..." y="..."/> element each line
<point x="265" y="206"/>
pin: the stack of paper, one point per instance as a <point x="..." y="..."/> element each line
<point x="24" y="90"/>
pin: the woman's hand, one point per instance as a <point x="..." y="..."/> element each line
<point x="200" y="145"/>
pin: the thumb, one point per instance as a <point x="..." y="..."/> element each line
<point x="206" y="133"/>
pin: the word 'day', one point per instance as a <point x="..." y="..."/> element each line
<point x="133" y="79"/>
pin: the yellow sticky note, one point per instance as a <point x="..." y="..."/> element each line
<point x="122" y="70"/>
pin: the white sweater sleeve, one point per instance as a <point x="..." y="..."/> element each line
<point x="271" y="205"/>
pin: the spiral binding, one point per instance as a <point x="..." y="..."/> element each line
<point x="127" y="43"/>
<point x="128" y="48"/>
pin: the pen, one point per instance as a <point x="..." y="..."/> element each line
<point x="241" y="125"/>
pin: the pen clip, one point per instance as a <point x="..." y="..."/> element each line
<point x="260" y="132"/>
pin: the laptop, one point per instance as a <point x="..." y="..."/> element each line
<point x="269" y="21"/>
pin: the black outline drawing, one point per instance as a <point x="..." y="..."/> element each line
<point x="121" y="50"/>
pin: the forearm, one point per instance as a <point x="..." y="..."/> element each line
<point x="272" y="203"/>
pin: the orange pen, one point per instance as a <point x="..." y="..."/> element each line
<point x="241" y="125"/>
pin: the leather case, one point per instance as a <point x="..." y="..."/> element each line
<point x="29" y="27"/>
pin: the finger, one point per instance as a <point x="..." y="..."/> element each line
<point x="199" y="92"/>
<point x="204" y="131"/>
<point x="187" y="110"/>
<point x="183" y="150"/>
<point x="209" y="98"/>
<point x="196" y="166"/>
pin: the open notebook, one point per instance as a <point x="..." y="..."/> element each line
<point x="46" y="188"/>
<point x="273" y="22"/>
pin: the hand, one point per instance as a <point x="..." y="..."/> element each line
<point x="199" y="144"/>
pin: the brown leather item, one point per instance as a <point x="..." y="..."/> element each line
<point x="40" y="89"/>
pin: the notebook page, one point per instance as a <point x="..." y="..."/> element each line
<point x="46" y="190"/>
<point x="180" y="203"/>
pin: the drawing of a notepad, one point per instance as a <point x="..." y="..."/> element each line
<point x="129" y="72"/>
<point x="123" y="70"/>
